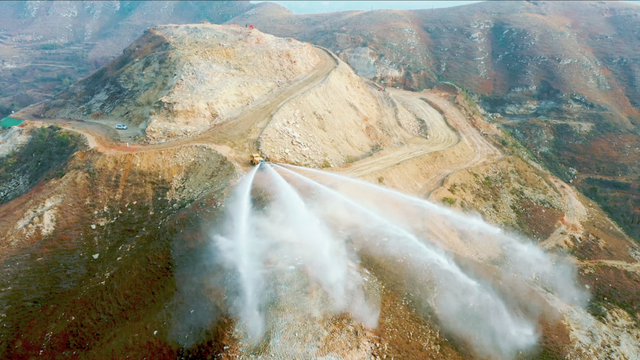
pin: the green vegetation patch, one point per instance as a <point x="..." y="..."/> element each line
<point x="9" y="122"/>
<point x="619" y="199"/>
<point x="44" y="156"/>
<point x="449" y="201"/>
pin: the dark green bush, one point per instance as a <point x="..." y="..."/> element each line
<point x="43" y="157"/>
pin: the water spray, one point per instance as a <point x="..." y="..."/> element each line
<point x="299" y="231"/>
<point x="238" y="246"/>
<point x="525" y="258"/>
<point x="463" y="305"/>
<point x="324" y="255"/>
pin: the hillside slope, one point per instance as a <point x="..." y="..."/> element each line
<point x="47" y="45"/>
<point x="559" y="66"/>
<point x="505" y="46"/>
<point x="338" y="121"/>
<point x="112" y="256"/>
<point x="179" y="80"/>
<point x="562" y="76"/>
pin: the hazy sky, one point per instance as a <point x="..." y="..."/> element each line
<point x="308" y="7"/>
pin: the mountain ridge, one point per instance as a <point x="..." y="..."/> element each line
<point x="114" y="245"/>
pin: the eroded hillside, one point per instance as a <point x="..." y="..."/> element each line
<point x="552" y="71"/>
<point x="531" y="63"/>
<point x="338" y="121"/>
<point x="53" y="44"/>
<point x="505" y="47"/>
<point x="115" y="253"/>
<point x="177" y="81"/>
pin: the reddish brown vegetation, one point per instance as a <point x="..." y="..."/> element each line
<point x="67" y="303"/>
<point x="608" y="154"/>
<point x="539" y="220"/>
<point x="615" y="286"/>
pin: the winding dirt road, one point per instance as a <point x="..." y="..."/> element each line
<point x="441" y="136"/>
<point x="447" y="129"/>
<point x="234" y="138"/>
<point x="482" y="149"/>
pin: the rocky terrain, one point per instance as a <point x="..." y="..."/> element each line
<point x="336" y="122"/>
<point x="46" y="46"/>
<point x="511" y="47"/>
<point x="106" y="245"/>
<point x="560" y="77"/>
<point x="177" y="81"/>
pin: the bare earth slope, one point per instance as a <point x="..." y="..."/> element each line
<point x="179" y="80"/>
<point x="549" y="65"/>
<point x="51" y="44"/>
<point x="562" y="76"/>
<point x="107" y="256"/>
<point x="504" y="46"/>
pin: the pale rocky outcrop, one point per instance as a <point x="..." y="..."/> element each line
<point x="179" y="80"/>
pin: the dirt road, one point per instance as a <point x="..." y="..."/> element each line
<point x="482" y="149"/>
<point x="242" y="132"/>
<point x="449" y="130"/>
<point x="235" y="138"/>
<point x="447" y="126"/>
<point x="441" y="136"/>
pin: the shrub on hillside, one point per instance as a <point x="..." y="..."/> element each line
<point x="44" y="156"/>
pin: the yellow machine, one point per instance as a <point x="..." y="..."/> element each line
<point x="256" y="159"/>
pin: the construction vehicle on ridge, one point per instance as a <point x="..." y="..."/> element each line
<point x="256" y="159"/>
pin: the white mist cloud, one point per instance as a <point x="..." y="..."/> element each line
<point x="323" y="255"/>
<point x="495" y="325"/>
<point x="464" y="306"/>
<point x="299" y="229"/>
<point x="241" y="253"/>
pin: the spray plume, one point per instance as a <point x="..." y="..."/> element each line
<point x="308" y="230"/>
<point x="465" y="306"/>
<point x="238" y="244"/>
<point x="323" y="255"/>
<point x="522" y="257"/>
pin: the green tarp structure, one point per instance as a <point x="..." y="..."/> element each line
<point x="9" y="122"/>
